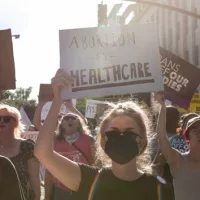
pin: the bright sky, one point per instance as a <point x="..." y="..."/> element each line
<point x="38" y="22"/>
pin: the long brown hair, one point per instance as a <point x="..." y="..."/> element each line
<point x="83" y="128"/>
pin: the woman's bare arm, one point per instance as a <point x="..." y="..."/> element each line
<point x="170" y="154"/>
<point x="37" y="115"/>
<point x="65" y="170"/>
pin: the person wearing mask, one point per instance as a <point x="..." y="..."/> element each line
<point x="72" y="140"/>
<point x="19" y="151"/>
<point x="122" y="145"/>
<point x="184" y="167"/>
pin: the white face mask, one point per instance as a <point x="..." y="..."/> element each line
<point x="72" y="138"/>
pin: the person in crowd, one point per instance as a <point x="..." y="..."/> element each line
<point x="184" y="167"/>
<point x="122" y="145"/>
<point x="10" y="186"/>
<point x="162" y="167"/>
<point x="19" y="151"/>
<point x="72" y="140"/>
<point x="184" y="120"/>
<point x="37" y="116"/>
<point x="172" y="123"/>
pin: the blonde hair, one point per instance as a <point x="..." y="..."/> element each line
<point x="16" y="114"/>
<point x="82" y="129"/>
<point x="137" y="113"/>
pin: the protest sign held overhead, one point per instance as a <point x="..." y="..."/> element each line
<point x="111" y="60"/>
<point x="180" y="78"/>
<point x="94" y="108"/>
<point x="7" y="65"/>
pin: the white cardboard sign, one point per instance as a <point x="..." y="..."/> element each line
<point x="47" y="106"/>
<point x="111" y="60"/>
<point x="24" y="119"/>
<point x="32" y="135"/>
<point x="91" y="108"/>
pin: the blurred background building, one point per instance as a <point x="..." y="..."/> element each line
<point x="178" y="33"/>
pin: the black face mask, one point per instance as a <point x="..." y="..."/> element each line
<point x="121" y="147"/>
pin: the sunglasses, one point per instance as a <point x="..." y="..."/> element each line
<point x="67" y="118"/>
<point x="6" y="119"/>
<point x="116" y="133"/>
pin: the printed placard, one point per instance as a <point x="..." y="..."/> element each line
<point x="32" y="135"/>
<point x="92" y="108"/>
<point x="111" y="60"/>
<point x="180" y="78"/>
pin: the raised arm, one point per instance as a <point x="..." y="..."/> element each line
<point x="37" y="115"/>
<point x="170" y="154"/>
<point x="65" y="170"/>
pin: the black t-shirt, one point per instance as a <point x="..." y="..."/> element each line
<point x="110" y="187"/>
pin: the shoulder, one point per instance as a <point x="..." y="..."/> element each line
<point x="88" y="174"/>
<point x="27" y="148"/>
<point x="28" y="143"/>
<point x="88" y="171"/>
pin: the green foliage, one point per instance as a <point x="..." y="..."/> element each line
<point x="19" y="98"/>
<point x="81" y="104"/>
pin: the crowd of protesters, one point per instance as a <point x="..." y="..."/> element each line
<point x="132" y="156"/>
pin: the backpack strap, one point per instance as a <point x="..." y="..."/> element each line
<point x="77" y="148"/>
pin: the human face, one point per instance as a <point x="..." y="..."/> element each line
<point x="125" y="125"/>
<point x="70" y="123"/>
<point x="194" y="132"/>
<point x="7" y="122"/>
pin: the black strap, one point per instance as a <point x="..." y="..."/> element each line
<point x="73" y="144"/>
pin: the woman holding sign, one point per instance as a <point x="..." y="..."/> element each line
<point x="123" y="147"/>
<point x="185" y="167"/>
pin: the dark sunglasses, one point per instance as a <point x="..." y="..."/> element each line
<point x="6" y="119"/>
<point x="116" y="133"/>
<point x="69" y="117"/>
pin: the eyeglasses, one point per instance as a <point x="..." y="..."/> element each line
<point x="116" y="133"/>
<point x="67" y="118"/>
<point x="6" y="119"/>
